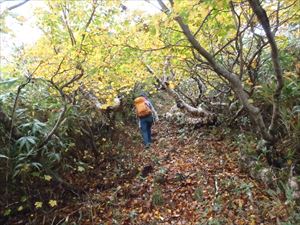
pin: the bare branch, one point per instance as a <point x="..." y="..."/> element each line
<point x="203" y="22"/>
<point x="28" y="80"/>
<point x="239" y="39"/>
<point x="59" y="119"/>
<point x="163" y="6"/>
<point x="17" y="5"/>
<point x="229" y="42"/>
<point x="75" y="78"/>
<point x="88" y="24"/>
<point x="58" y="68"/>
<point x="172" y="3"/>
<point x="65" y="20"/>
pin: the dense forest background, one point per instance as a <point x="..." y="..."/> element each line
<point x="225" y="79"/>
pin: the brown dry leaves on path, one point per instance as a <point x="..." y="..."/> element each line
<point x="185" y="178"/>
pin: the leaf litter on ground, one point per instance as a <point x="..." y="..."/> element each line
<point x="188" y="181"/>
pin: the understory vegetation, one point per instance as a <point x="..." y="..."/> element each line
<point x="224" y="77"/>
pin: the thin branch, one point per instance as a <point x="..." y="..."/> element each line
<point x="88" y="24"/>
<point x="65" y="20"/>
<point x="277" y="17"/>
<point x="151" y="3"/>
<point x="17" y="5"/>
<point x="58" y="68"/>
<point x="239" y="40"/>
<point x="149" y="49"/>
<point x="189" y="109"/>
<point x="163" y="6"/>
<point x="187" y="97"/>
<point x="28" y="80"/>
<point x="203" y="22"/>
<point x="160" y="48"/>
<point x="75" y="78"/>
<point x="229" y="42"/>
<point x="59" y="119"/>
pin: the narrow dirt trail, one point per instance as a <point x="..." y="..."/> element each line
<point x="184" y="179"/>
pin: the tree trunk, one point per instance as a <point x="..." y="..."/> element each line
<point x="264" y="21"/>
<point x="233" y="79"/>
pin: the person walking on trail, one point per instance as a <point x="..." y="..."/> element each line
<point x="146" y="115"/>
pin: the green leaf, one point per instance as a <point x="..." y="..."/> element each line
<point x="8" y="83"/>
<point x="27" y="141"/>
<point x="296" y="109"/>
<point x="250" y="100"/>
<point x="19" y="112"/>
<point x="24" y="198"/>
<point x="36" y="165"/>
<point x="37" y="126"/>
<point x="7" y="212"/>
<point x="152" y="30"/>
<point x="3" y="156"/>
<point x="4" y="97"/>
<point x="80" y="169"/>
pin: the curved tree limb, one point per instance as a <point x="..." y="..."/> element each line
<point x="28" y="80"/>
<point x="66" y="22"/>
<point x="59" y="119"/>
<point x="17" y="5"/>
<point x="264" y="21"/>
<point x="12" y="121"/>
<point x="199" y="111"/>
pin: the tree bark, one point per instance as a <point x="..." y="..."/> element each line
<point x="264" y="21"/>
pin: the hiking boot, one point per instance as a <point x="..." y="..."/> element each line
<point x="147" y="146"/>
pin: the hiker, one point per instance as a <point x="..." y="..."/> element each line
<point x="146" y="115"/>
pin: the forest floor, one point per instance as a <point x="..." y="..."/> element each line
<point x="187" y="177"/>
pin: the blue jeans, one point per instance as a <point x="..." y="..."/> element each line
<point x="146" y="124"/>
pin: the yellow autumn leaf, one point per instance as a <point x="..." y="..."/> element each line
<point x="47" y="177"/>
<point x="253" y="221"/>
<point x="52" y="203"/>
<point x="171" y="85"/>
<point x="250" y="100"/>
<point x="38" y="205"/>
<point x="104" y="106"/>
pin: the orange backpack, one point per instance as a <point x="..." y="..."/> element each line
<point x="142" y="109"/>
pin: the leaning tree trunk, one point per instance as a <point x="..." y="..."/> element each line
<point x="264" y="21"/>
<point x="233" y="79"/>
